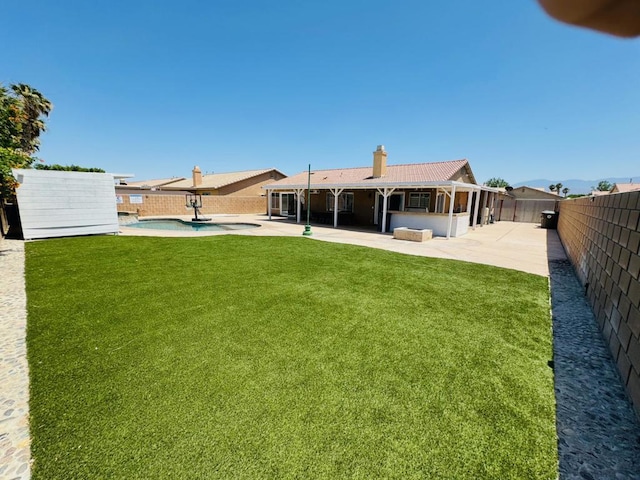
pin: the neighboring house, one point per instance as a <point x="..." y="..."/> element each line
<point x="235" y="192"/>
<point x="246" y="183"/>
<point x="152" y="184"/>
<point x="525" y="204"/>
<point x="441" y="196"/>
<point x="625" y="187"/>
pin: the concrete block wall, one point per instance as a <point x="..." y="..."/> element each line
<point x="158" y="204"/>
<point x="602" y="238"/>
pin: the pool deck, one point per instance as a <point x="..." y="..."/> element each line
<point x="519" y="246"/>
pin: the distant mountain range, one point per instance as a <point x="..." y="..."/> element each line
<point x="575" y="186"/>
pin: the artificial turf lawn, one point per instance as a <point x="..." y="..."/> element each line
<point x="241" y="357"/>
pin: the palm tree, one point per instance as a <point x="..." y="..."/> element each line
<point x="552" y="188"/>
<point x="9" y="109"/>
<point x="558" y="188"/>
<point x="33" y="106"/>
<point x="565" y="190"/>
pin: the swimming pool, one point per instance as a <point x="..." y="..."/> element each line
<point x="186" y="226"/>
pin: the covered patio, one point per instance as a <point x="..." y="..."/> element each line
<point x="442" y="196"/>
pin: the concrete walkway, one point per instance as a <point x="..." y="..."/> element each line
<point x="520" y="246"/>
<point x="14" y="373"/>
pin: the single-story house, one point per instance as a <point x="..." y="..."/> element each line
<point x="441" y="196"/>
<point x="232" y="192"/>
<point x="245" y="183"/>
<point x="625" y="187"/>
<point x="151" y="184"/>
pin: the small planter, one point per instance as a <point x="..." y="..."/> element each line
<point x="404" y="233"/>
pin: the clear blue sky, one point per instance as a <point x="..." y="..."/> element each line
<point x="154" y="88"/>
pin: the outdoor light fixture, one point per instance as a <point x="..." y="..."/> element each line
<point x="307" y="227"/>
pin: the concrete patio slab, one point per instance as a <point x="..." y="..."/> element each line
<point x="519" y="246"/>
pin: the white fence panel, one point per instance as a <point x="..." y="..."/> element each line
<point x="63" y="204"/>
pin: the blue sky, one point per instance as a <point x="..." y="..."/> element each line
<point x="154" y="88"/>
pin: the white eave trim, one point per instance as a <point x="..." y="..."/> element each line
<point x="359" y="186"/>
<point x="373" y="186"/>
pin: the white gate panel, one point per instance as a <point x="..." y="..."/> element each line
<point x="63" y="204"/>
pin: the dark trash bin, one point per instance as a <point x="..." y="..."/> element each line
<point x="549" y="219"/>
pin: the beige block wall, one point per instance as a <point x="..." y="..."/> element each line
<point x="158" y="204"/>
<point x="602" y="238"/>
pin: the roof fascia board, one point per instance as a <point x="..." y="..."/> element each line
<point x="359" y="186"/>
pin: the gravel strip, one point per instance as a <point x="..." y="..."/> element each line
<point x="15" y="452"/>
<point x="598" y="431"/>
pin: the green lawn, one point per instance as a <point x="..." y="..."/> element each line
<point x="239" y="357"/>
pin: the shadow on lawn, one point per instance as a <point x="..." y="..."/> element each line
<point x="598" y="432"/>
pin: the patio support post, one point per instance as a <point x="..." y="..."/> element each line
<point x="385" y="194"/>
<point x="269" y="193"/>
<point x="492" y="204"/>
<point x="299" y="192"/>
<point x="469" y="197"/>
<point x="486" y="204"/>
<point x="451" y="206"/>
<point x="475" y="210"/>
<point x="336" y="193"/>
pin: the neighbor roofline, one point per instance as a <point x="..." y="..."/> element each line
<point x="217" y="187"/>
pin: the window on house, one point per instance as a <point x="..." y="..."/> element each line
<point x="440" y="203"/>
<point x="275" y="200"/>
<point x="419" y="200"/>
<point x="345" y="202"/>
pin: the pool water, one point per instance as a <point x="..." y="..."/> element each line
<point x="185" y="226"/>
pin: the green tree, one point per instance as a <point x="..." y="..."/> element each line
<point x="11" y="158"/>
<point x="496" y="182"/>
<point x="603" y="186"/>
<point x="66" y="168"/>
<point x="565" y="190"/>
<point x="33" y="106"/>
<point x="21" y="121"/>
<point x="9" y="120"/>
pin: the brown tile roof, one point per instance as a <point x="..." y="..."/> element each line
<point x="524" y="192"/>
<point x="625" y="187"/>
<point x="219" y="180"/>
<point x="155" y="183"/>
<point x="417" y="173"/>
